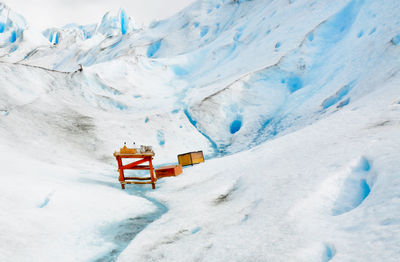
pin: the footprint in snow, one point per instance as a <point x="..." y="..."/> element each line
<point x="329" y="252"/>
<point x="355" y="189"/>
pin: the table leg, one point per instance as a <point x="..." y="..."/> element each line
<point x="121" y="172"/>
<point x="153" y="179"/>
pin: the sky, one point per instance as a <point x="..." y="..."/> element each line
<point x="42" y="14"/>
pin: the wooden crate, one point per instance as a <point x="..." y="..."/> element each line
<point x="166" y="171"/>
<point x="191" y="158"/>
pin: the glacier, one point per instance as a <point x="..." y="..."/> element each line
<point x="295" y="105"/>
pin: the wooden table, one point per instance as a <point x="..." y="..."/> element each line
<point x="136" y="165"/>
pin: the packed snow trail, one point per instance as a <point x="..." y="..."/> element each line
<point x="123" y="232"/>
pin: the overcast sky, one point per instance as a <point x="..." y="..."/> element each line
<point x="42" y="14"/>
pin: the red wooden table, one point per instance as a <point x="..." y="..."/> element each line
<point x="140" y="158"/>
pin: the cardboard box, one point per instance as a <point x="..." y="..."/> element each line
<point x="191" y="158"/>
<point x="167" y="171"/>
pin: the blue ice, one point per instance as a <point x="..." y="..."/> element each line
<point x="344" y="103"/>
<point x="310" y="37"/>
<point x="191" y="120"/>
<point x="194" y="123"/>
<point x="396" y="40"/>
<point x="195" y="230"/>
<point x="365" y="190"/>
<point x="2" y="27"/>
<point x="266" y="123"/>
<point x="372" y="31"/>
<point x="267" y="130"/>
<point x="294" y="83"/>
<point x="120" y="106"/>
<point x="235" y="126"/>
<point x="179" y="71"/>
<point x="330" y="101"/>
<point x="57" y="38"/>
<point x="44" y="203"/>
<point x="160" y="137"/>
<point x="153" y="48"/>
<point x="237" y="36"/>
<point x="328" y="254"/>
<point x="360" y="34"/>
<point x="13" y="36"/>
<point x="14" y="48"/>
<point x="87" y="31"/>
<point x="355" y="189"/>
<point x="124" y="22"/>
<point x="185" y="25"/>
<point x="277" y="45"/>
<point x="353" y="194"/>
<point x="335" y="29"/>
<point x="204" y="31"/>
<point x="363" y="165"/>
<point x="116" y="43"/>
<point x="238" y="33"/>
<point x="117" y="104"/>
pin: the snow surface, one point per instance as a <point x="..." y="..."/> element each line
<point x="296" y="105"/>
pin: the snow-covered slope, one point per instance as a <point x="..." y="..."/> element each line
<point x="326" y="192"/>
<point x="295" y="104"/>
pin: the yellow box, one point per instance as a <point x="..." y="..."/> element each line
<point x="126" y="150"/>
<point x="191" y="158"/>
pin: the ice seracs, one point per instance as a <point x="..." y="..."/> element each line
<point x="115" y="24"/>
<point x="11" y="26"/>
